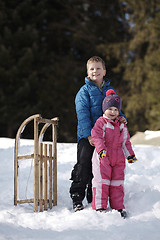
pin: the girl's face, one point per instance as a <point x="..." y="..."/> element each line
<point x="112" y="113"/>
<point x="96" y="72"/>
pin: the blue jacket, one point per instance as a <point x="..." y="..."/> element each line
<point x="89" y="106"/>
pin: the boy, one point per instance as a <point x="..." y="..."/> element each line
<point x="112" y="146"/>
<point x="88" y="108"/>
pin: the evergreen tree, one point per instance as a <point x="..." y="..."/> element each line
<point x="44" y="48"/>
<point x="83" y="29"/>
<point x="22" y="58"/>
<point x="141" y="76"/>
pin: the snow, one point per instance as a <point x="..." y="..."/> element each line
<point x="142" y="200"/>
<point x="151" y="134"/>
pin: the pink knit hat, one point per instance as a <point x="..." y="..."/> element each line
<point x="111" y="100"/>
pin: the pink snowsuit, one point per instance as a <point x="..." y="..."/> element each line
<point x="108" y="172"/>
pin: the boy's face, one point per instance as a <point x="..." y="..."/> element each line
<point x="112" y="113"/>
<point x="96" y="72"/>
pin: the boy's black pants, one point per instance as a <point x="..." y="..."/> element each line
<point x="82" y="173"/>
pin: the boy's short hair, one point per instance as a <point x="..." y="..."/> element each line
<point x="96" y="59"/>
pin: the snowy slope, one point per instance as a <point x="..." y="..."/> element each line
<point x="142" y="200"/>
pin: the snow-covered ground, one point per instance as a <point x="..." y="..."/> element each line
<point x="147" y="138"/>
<point x="142" y="200"/>
<point x="151" y="134"/>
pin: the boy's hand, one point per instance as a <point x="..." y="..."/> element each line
<point x="90" y="141"/>
<point x="102" y="153"/>
<point x="132" y="159"/>
<point x="123" y="120"/>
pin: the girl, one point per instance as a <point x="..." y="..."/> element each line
<point x="112" y="145"/>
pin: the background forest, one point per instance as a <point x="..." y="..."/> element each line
<point x="44" y="47"/>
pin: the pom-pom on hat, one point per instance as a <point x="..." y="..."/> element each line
<point x="111" y="100"/>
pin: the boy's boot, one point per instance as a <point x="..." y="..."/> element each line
<point x="77" y="203"/>
<point x="78" y="206"/>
